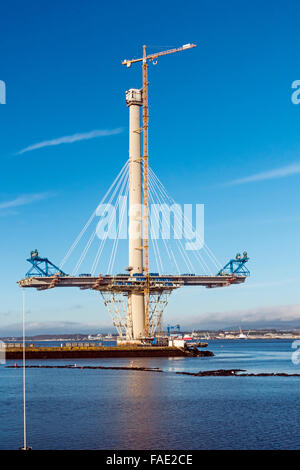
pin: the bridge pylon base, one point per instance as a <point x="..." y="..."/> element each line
<point x="120" y="312"/>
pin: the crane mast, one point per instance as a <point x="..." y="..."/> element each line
<point x="146" y="191"/>
<point x="145" y="159"/>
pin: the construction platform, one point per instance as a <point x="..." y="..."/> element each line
<point x="125" y="283"/>
<point x="103" y="352"/>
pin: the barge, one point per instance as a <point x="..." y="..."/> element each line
<point x="103" y="352"/>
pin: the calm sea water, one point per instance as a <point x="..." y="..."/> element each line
<point x="107" y="409"/>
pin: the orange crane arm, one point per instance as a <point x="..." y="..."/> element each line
<point x="158" y="54"/>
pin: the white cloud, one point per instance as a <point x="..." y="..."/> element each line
<point x="24" y="200"/>
<point x="272" y="316"/>
<point x="69" y="139"/>
<point x="282" y="172"/>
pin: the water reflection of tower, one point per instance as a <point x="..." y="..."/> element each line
<point x="139" y="417"/>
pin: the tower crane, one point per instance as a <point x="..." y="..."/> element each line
<point x="145" y="59"/>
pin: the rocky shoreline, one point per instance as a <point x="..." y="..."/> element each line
<point x="235" y="373"/>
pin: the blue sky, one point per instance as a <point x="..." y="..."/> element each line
<point x="224" y="132"/>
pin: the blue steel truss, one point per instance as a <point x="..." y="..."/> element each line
<point x="236" y="266"/>
<point x="42" y="266"/>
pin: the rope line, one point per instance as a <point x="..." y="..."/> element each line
<point x="188" y="223"/>
<point x="101" y="246"/>
<point x="92" y="237"/>
<point x="153" y="240"/>
<point x="151" y="186"/>
<point x="116" y="241"/>
<point x="180" y="247"/>
<point x="78" y="238"/>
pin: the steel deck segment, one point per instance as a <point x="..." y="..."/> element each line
<point x="129" y="284"/>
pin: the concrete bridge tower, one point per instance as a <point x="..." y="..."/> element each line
<point x="136" y="302"/>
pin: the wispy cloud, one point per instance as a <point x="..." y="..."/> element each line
<point x="69" y="139"/>
<point x="24" y="200"/>
<point x="270" y="316"/>
<point x="282" y="172"/>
